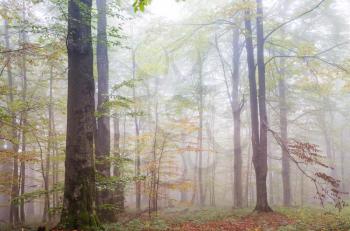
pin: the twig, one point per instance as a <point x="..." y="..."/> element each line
<point x="293" y="19"/>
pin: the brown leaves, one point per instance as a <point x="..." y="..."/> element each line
<point x="334" y="182"/>
<point x="307" y="152"/>
<point x="258" y="222"/>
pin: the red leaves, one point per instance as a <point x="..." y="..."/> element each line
<point x="260" y="221"/>
<point x="307" y="152"/>
<point x="332" y="181"/>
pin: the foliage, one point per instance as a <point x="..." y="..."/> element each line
<point x="139" y="5"/>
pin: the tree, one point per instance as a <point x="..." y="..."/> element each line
<point x="137" y="133"/>
<point x="14" y="210"/>
<point x="236" y="112"/>
<point x="102" y="142"/>
<point x="284" y="135"/>
<point x="79" y="188"/>
<point x="119" y="191"/>
<point x="200" y="128"/>
<point x="258" y="107"/>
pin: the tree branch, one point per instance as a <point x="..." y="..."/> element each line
<point x="293" y="19"/>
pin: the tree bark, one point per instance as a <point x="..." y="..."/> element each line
<point x="271" y="181"/>
<point x="284" y="136"/>
<point x="260" y="161"/>
<point x="23" y="40"/>
<point x="259" y="128"/>
<point x="236" y="111"/>
<point x="200" y="131"/>
<point x="46" y="216"/>
<point x="137" y="132"/>
<point x="14" y="210"/>
<point x="102" y="142"/>
<point x="79" y="188"/>
<point x="119" y="191"/>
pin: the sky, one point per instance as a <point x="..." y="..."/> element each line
<point x="169" y="9"/>
<point x="173" y="10"/>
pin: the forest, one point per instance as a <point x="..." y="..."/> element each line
<point x="189" y="115"/>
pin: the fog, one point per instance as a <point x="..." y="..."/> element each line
<point x="115" y="111"/>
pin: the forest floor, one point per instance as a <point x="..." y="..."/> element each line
<point x="225" y="219"/>
<point x="218" y="219"/>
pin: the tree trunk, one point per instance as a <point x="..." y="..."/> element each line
<point x="23" y="40"/>
<point x="259" y="134"/>
<point x="260" y="161"/>
<point x="79" y="188"/>
<point x="200" y="132"/>
<point x="137" y="132"/>
<point x="271" y="191"/>
<point x="153" y="189"/>
<point x="14" y="210"/>
<point x="184" y="177"/>
<point x="46" y="216"/>
<point x="6" y="166"/>
<point x="236" y="111"/>
<point x="342" y="165"/>
<point x="55" y="162"/>
<point x="102" y="142"/>
<point x="247" y="183"/>
<point x="284" y="137"/>
<point x="184" y="171"/>
<point x="119" y="191"/>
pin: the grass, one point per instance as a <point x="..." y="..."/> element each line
<point x="313" y="218"/>
<point x="210" y="219"/>
<point x="299" y="219"/>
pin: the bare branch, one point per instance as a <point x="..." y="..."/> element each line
<point x="293" y="19"/>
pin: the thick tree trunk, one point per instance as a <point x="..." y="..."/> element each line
<point x="236" y="111"/>
<point x="79" y="188"/>
<point x="102" y="142"/>
<point x="284" y="136"/>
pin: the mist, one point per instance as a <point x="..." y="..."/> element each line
<point x="174" y="115"/>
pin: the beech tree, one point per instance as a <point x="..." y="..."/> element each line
<point x="173" y="76"/>
<point x="79" y="186"/>
<point x="103" y="140"/>
<point x="258" y="106"/>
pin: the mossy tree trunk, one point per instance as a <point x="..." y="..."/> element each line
<point x="79" y="188"/>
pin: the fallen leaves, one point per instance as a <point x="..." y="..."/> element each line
<point x="253" y="222"/>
